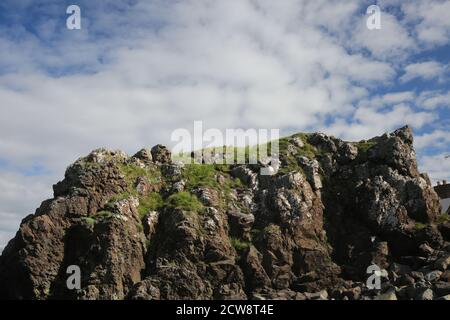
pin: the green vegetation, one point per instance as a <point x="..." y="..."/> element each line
<point x="184" y="201"/>
<point x="89" y="220"/>
<point x="200" y="175"/>
<point x="152" y="202"/>
<point x="419" y="226"/>
<point x="132" y="172"/>
<point x="104" y="214"/>
<point x="365" y="145"/>
<point x="239" y="245"/>
<point x="443" y="218"/>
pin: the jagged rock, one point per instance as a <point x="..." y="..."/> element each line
<point x="442" y="288"/>
<point x="311" y="168"/>
<point x="298" y="142"/>
<point x="442" y="263"/>
<point x="246" y="175"/>
<point x="389" y="295"/>
<point x="144" y="155"/>
<point x="142" y="228"/>
<point x="347" y="152"/>
<point x="321" y="295"/>
<point x="427" y="294"/>
<point x="322" y="141"/>
<point x="149" y="223"/>
<point x="426" y="250"/>
<point x="143" y="186"/>
<point x="160" y="154"/>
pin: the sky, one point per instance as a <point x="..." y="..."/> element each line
<point x="138" y="70"/>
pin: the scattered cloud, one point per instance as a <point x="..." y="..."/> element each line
<point x="140" y="69"/>
<point x="434" y="99"/>
<point x="425" y="70"/>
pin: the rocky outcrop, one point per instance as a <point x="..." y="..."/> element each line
<point x="144" y="227"/>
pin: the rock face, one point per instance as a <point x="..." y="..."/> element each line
<point x="144" y="227"/>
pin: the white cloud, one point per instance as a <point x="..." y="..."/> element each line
<point x="434" y="99"/>
<point x="433" y="26"/>
<point x="392" y="41"/>
<point x="436" y="139"/>
<point x="367" y="122"/>
<point x="426" y="70"/>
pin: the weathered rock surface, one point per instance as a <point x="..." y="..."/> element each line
<point x="143" y="227"/>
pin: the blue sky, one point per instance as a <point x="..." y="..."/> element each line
<point x="137" y="70"/>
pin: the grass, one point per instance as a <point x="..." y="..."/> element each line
<point x="200" y="175"/>
<point x="89" y="220"/>
<point x="443" y="218"/>
<point x="132" y="172"/>
<point x="152" y="202"/>
<point x="365" y="145"/>
<point x="238" y="244"/>
<point x="419" y="226"/>
<point x="104" y="214"/>
<point x="184" y="201"/>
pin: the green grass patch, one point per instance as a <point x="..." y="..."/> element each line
<point x="89" y="220"/>
<point x="443" y="218"/>
<point x="239" y="245"/>
<point x="419" y="226"/>
<point x="152" y="202"/>
<point x="132" y="172"/>
<point x="184" y="201"/>
<point x="104" y="214"/>
<point x="365" y="145"/>
<point x="200" y="175"/>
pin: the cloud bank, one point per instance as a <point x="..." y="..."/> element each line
<point x="137" y="70"/>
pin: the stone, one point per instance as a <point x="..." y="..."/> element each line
<point x="426" y="250"/>
<point x="433" y="275"/>
<point x="426" y="295"/>
<point x="321" y="295"/>
<point x="160" y="154"/>
<point x="145" y="155"/>
<point x="347" y="152"/>
<point x="442" y="288"/>
<point x="298" y="142"/>
<point x="445" y="276"/>
<point x="389" y="295"/>
<point x="311" y="168"/>
<point x="442" y="263"/>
